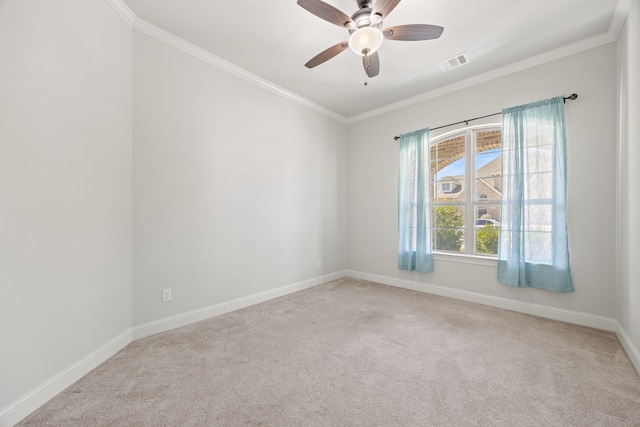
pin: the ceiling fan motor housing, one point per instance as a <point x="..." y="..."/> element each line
<point x="362" y="18"/>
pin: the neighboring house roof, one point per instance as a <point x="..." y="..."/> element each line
<point x="488" y="171"/>
<point x="453" y="179"/>
<point x="491" y="187"/>
<point x="492" y="168"/>
<point x="457" y="184"/>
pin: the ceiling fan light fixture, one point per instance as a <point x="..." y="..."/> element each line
<point x="366" y="40"/>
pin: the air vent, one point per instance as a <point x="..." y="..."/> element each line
<point x="454" y="62"/>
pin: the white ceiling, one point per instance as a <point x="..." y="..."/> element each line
<point x="274" y="39"/>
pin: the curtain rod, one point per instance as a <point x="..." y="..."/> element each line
<point x="466" y="122"/>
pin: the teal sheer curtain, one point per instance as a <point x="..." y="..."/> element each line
<point x="414" y="223"/>
<point x="533" y="250"/>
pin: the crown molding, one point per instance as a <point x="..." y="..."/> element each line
<point x="617" y="21"/>
<point x="552" y="55"/>
<point x="176" y="42"/>
<point x="619" y="17"/>
<point x="170" y="39"/>
<point x="123" y="10"/>
<point x="144" y="27"/>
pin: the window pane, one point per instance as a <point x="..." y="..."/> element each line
<point x="487" y="229"/>
<point x="539" y="159"/>
<point x="447" y="170"/>
<point x="488" y="140"/>
<point x="448" y="228"/>
<point x="538" y="217"/>
<point x="488" y="161"/>
<point x="537" y="247"/>
<point x="538" y="185"/>
<point x="487" y="214"/>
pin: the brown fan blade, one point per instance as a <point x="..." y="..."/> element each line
<point x="327" y="12"/>
<point x="326" y="55"/>
<point x="384" y="7"/>
<point x="371" y="64"/>
<point x="413" y="32"/>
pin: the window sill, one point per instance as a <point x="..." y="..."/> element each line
<point x="466" y="259"/>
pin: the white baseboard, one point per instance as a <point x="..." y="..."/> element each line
<point x="632" y="351"/>
<point x="569" y="316"/>
<point x="15" y="411"/>
<point x="26" y="404"/>
<point x="169" y="323"/>
<point x="23" y="406"/>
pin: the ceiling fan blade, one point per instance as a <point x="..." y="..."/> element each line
<point x="327" y="12"/>
<point x="326" y="55"/>
<point x="384" y="7"/>
<point x="371" y="64"/>
<point x="413" y="32"/>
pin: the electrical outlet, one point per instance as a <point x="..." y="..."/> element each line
<point x="166" y="295"/>
<point x="319" y="262"/>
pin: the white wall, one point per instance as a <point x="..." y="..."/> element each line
<point x="237" y="190"/>
<point x="65" y="186"/>
<point x="591" y="130"/>
<point x="628" y="289"/>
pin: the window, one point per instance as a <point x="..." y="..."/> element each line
<point x="455" y="197"/>
<point x="466" y="174"/>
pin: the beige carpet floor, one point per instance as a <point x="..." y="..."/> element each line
<point x="355" y="353"/>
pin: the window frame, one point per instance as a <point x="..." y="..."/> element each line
<point x="470" y="202"/>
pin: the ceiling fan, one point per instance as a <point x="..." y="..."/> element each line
<point x="365" y="31"/>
